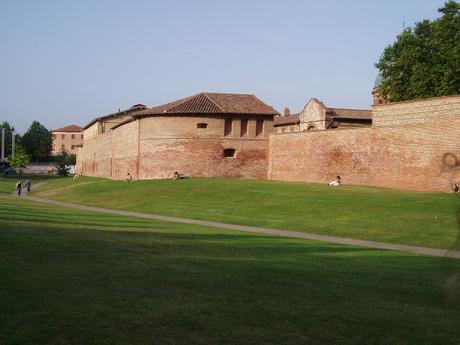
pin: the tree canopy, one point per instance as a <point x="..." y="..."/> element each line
<point x="38" y="142"/>
<point x="424" y="61"/>
<point x="20" y="158"/>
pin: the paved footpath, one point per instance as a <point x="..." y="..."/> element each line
<point x="268" y="231"/>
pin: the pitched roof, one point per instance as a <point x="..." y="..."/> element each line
<point x="213" y="103"/>
<point x="359" y="114"/>
<point x="292" y="119"/>
<point x="69" y="128"/>
<point x="134" y="108"/>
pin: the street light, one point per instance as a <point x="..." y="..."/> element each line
<point x="12" y="142"/>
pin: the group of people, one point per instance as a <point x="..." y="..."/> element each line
<point x="28" y="186"/>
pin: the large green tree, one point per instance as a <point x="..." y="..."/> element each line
<point x="38" y="142"/>
<point x="425" y="60"/>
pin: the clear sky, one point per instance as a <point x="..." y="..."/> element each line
<point x="65" y="62"/>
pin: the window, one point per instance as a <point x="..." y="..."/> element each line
<point x="201" y="125"/>
<point x="72" y="136"/>
<point x="82" y="136"/>
<point x="259" y="127"/>
<point x="244" y="128"/>
<point x="283" y="130"/>
<point x="62" y="136"/>
<point x="72" y="147"/>
<point x="311" y="128"/>
<point x="229" y="153"/>
<point x="228" y="127"/>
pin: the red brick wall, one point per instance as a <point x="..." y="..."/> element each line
<point x="169" y="144"/>
<point x="407" y="156"/>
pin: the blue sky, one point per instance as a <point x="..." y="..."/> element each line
<point x="66" y="62"/>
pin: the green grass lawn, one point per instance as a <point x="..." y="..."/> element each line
<point x="73" y="277"/>
<point x="8" y="184"/>
<point x="414" y="218"/>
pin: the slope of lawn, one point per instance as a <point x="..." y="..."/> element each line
<point x="414" y="218"/>
<point x="72" y="277"/>
<point x="8" y="184"/>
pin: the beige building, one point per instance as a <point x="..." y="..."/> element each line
<point x="208" y="135"/>
<point x="317" y="116"/>
<point x="69" y="138"/>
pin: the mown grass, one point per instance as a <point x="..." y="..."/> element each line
<point x="414" y="218"/>
<point x="73" y="277"/>
<point x="8" y="184"/>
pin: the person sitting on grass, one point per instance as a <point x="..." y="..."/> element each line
<point x="129" y="177"/>
<point x="177" y="176"/>
<point x="335" y="183"/>
<point x="456" y="188"/>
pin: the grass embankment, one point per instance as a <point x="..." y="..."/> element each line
<point x="8" y="184"/>
<point x="73" y="277"/>
<point x="414" y="218"/>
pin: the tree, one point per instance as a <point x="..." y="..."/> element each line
<point x="424" y="61"/>
<point x="38" y="142"/>
<point x="20" y="158"/>
<point x="63" y="160"/>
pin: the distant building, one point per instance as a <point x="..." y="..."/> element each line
<point x="317" y="116"/>
<point x="286" y="123"/>
<point x="69" y="138"/>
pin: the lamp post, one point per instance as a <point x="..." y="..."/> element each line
<point x="12" y="142"/>
<point x="3" y="145"/>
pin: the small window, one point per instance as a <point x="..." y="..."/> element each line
<point x="73" y="147"/>
<point x="229" y="153"/>
<point x="244" y="128"/>
<point x="201" y="125"/>
<point x="73" y="136"/>
<point x="283" y="130"/>
<point x="62" y="136"/>
<point x="228" y="127"/>
<point x="311" y="128"/>
<point x="82" y="136"/>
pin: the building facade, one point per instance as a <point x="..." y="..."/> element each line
<point x="68" y="138"/>
<point x="208" y="135"/>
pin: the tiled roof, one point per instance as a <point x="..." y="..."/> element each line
<point x="134" y="108"/>
<point x="292" y="119"/>
<point x="352" y="113"/>
<point x="69" y="128"/>
<point x="213" y="103"/>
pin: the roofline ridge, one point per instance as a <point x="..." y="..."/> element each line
<point x="206" y="94"/>
<point x="179" y="102"/>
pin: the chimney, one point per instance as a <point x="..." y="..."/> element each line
<point x="287" y="112"/>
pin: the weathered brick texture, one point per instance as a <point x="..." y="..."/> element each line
<point x="156" y="147"/>
<point x="397" y="152"/>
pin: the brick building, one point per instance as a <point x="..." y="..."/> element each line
<point x="68" y="137"/>
<point x="208" y="134"/>
<point x="317" y="116"/>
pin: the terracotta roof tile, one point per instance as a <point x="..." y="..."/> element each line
<point x="213" y="103"/>
<point x="69" y="128"/>
<point x="132" y="109"/>
<point x="292" y="119"/>
<point x="352" y="113"/>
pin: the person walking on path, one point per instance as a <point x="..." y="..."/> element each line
<point x="19" y="187"/>
<point x="28" y="186"/>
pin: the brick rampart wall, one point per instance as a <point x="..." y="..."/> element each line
<point x="410" y="112"/>
<point x="111" y="154"/>
<point x="403" y="156"/>
<point x="169" y="144"/>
